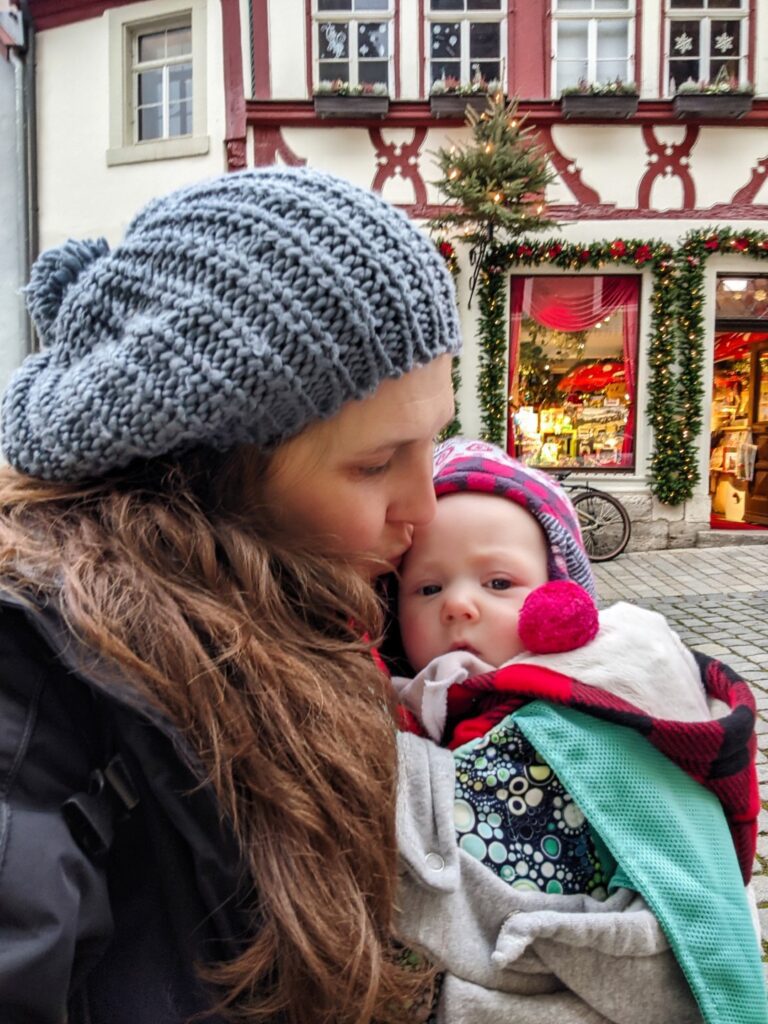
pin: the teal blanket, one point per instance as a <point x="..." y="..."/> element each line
<point x="671" y="841"/>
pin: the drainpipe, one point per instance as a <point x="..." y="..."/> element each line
<point x="21" y="58"/>
<point x="22" y="210"/>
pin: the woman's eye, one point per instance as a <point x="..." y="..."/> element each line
<point x="374" y="470"/>
<point x="499" y="584"/>
<point x="429" y="589"/>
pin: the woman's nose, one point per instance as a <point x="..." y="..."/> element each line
<point x="416" y="501"/>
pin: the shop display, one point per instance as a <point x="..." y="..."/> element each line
<point x="581" y="432"/>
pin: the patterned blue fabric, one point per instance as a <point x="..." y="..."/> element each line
<point x="513" y="814"/>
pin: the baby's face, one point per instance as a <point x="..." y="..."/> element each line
<point x="464" y="580"/>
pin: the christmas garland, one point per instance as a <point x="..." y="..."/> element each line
<point x="448" y="251"/>
<point x="676" y="349"/>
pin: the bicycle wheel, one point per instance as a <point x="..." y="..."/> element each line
<point x="605" y="524"/>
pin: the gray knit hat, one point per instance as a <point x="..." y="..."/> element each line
<point x="238" y="310"/>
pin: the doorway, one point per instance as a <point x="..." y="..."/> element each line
<point x="738" y="464"/>
<point x="738" y="468"/>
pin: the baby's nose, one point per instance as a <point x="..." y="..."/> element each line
<point x="458" y="605"/>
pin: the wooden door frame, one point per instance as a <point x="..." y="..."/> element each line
<point x="754" y="398"/>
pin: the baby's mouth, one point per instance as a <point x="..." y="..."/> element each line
<point x="460" y="645"/>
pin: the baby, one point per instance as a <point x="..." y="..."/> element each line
<point x="468" y="605"/>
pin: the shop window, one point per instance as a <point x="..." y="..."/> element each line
<point x="157" y="80"/>
<point x="706" y="40"/>
<point x="592" y="42"/>
<point x="741" y="298"/>
<point x="465" y="40"/>
<point x="353" y="41"/>
<point x="573" y="359"/>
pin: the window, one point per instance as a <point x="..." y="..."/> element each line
<point x="573" y="370"/>
<point x="592" y="42"/>
<point x="706" y="39"/>
<point x="465" y="40"/>
<point x="742" y="298"/>
<point x="161" y="75"/>
<point x="157" y="81"/>
<point x="353" y="41"/>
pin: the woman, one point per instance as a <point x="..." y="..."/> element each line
<point x="227" y="434"/>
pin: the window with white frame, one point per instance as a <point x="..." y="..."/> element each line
<point x="354" y="41"/>
<point x="706" y="39"/>
<point x="161" y="81"/>
<point x="592" y="42"/>
<point x="465" y="40"/>
<point x="157" y="81"/>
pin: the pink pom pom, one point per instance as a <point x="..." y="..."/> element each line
<point x="558" y="616"/>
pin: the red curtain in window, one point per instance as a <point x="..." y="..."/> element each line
<point x="576" y="303"/>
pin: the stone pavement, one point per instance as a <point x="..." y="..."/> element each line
<point x="717" y="600"/>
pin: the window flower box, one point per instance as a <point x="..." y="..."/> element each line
<point x="455" y="105"/>
<point x="449" y="97"/>
<point x="617" y="106"/>
<point x="614" y="100"/>
<point x="337" y="105"/>
<point x="712" y="105"/>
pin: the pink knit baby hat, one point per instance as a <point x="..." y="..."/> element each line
<point x="464" y="465"/>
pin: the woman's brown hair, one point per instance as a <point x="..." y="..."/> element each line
<point x="261" y="660"/>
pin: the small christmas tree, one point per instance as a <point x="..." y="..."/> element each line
<point x="495" y="183"/>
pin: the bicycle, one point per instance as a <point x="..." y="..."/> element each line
<point x="605" y="523"/>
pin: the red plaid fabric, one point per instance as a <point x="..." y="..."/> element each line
<point x="718" y="754"/>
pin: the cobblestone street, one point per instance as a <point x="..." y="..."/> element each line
<point x="717" y="600"/>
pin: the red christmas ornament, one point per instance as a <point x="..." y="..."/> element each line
<point x="446" y="250"/>
<point x="713" y="242"/>
<point x="584" y="255"/>
<point x="643" y="253"/>
<point x="618" y="248"/>
<point x="554" y="251"/>
<point x="524" y="250"/>
<point x="741" y="244"/>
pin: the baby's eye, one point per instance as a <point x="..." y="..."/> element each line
<point x="429" y="589"/>
<point x="499" y="583"/>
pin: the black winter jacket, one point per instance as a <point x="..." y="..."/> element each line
<point x="112" y="935"/>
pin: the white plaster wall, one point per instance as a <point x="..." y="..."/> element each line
<point x="410" y="55"/>
<point x="761" y="63"/>
<point x="245" y="35"/>
<point x="288" y="46"/>
<point x="79" y="195"/>
<point x="648" y="78"/>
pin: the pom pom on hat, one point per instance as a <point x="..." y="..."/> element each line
<point x="558" y="616"/>
<point x="53" y="273"/>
